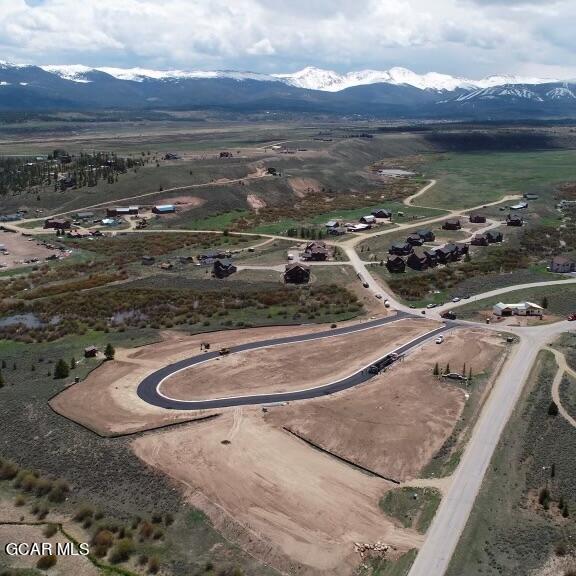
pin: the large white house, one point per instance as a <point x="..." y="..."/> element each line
<point x="518" y="309"/>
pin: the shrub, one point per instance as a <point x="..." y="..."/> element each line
<point x="58" y="491"/>
<point x="122" y="551"/>
<point x="103" y="538"/>
<point x="46" y="562"/>
<point x="109" y="352"/>
<point x="84" y="513"/>
<point x="153" y="565"/>
<point x="61" y="370"/>
<point x="19" y="500"/>
<point x="552" y="409"/>
<point x="50" y="530"/>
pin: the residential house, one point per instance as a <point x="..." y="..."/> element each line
<point x="164" y="209"/>
<point x="337" y="231"/>
<point x="90" y="352"/>
<point x="418" y="260"/>
<point x="432" y="257"/>
<point x="513" y="220"/>
<point x="519" y="309"/>
<point x="57" y="223"/>
<point x="447" y="253"/>
<point x="561" y="264"/>
<point x="171" y="156"/>
<point x="122" y="211"/>
<point x="148" y="260"/>
<point x="316" y="251"/>
<point x="395" y="264"/>
<point x="358" y="227"/>
<point x="332" y="224"/>
<point x="223" y="268"/>
<point x="452" y="224"/>
<point x="480" y="240"/>
<point x="370" y="219"/>
<point x="477" y="219"/>
<point x="529" y="196"/>
<point x="382" y="213"/>
<point x="400" y="249"/>
<point x="415" y="240"/>
<point x="297" y="273"/>
<point x="494" y="236"/>
<point x="166" y="266"/>
<point x="85" y="215"/>
<point x="426" y="235"/>
<point x="462" y="248"/>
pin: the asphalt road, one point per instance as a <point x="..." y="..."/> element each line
<point x="148" y="389"/>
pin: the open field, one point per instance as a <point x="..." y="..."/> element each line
<point x="397" y="422"/>
<point x="509" y="531"/>
<point x="469" y="179"/>
<point x="293" y="366"/>
<point x="302" y="509"/>
<point x="413" y="507"/>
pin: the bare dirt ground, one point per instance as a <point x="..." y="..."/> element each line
<point x="396" y="422"/>
<point x="291" y="367"/>
<point x="20" y="249"/>
<point x="285" y="502"/>
<point x="255" y="202"/>
<point x="78" y="565"/>
<point x="110" y="390"/>
<point x="302" y="186"/>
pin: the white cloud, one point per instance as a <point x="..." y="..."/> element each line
<point x="456" y="36"/>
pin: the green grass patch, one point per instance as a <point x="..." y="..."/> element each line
<point x="413" y="507"/>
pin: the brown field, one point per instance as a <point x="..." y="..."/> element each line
<point x="293" y="366"/>
<point x="255" y="202"/>
<point x="110" y="390"/>
<point x="20" y="248"/>
<point x="295" y="508"/>
<point x="396" y="422"/>
<point x="301" y="186"/>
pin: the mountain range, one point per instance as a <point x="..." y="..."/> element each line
<point x="393" y="93"/>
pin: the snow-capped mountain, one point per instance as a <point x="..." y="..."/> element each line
<point x="394" y="93"/>
<point x="309" y="78"/>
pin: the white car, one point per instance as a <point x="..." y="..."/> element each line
<point x="456" y="299"/>
<point x="431" y="305"/>
<point x="440" y="339"/>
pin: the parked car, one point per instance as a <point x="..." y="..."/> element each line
<point x="449" y="315"/>
<point x="431" y="305"/>
<point x="571" y="317"/>
<point x="456" y="299"/>
<point x="440" y="339"/>
<point x="379" y="296"/>
<point x="387" y="303"/>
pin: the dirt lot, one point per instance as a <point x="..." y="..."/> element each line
<point x="396" y="422"/>
<point x="110" y="390"/>
<point x="20" y="249"/>
<point x="301" y="186"/>
<point x="291" y="367"/>
<point x="294" y="507"/>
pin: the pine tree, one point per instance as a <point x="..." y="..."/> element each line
<point x="544" y="302"/>
<point x="470" y="374"/>
<point x="553" y="409"/>
<point x="72" y="363"/>
<point x="1" y="380"/>
<point x="447" y="369"/>
<point x="61" y="369"/>
<point x="553" y="474"/>
<point x="109" y="351"/>
<point x="436" y="370"/>
<point x="464" y="369"/>
<point x="3" y="363"/>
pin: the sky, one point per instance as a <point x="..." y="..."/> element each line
<point x="471" y="38"/>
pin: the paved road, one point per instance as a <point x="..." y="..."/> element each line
<point x="454" y="510"/>
<point x="148" y="389"/>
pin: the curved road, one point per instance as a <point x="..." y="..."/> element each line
<point x="148" y="389"/>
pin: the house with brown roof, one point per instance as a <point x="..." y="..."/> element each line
<point x="417" y="260"/>
<point x="382" y="213"/>
<point x="477" y="219"/>
<point x="447" y="253"/>
<point x="57" y="223"/>
<point x="432" y="257"/>
<point x="514" y="220"/>
<point x="479" y="240"/>
<point x="297" y="273"/>
<point x="453" y="224"/>
<point x="395" y="264"/>
<point x="562" y="265"/>
<point x="316" y="251"/>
